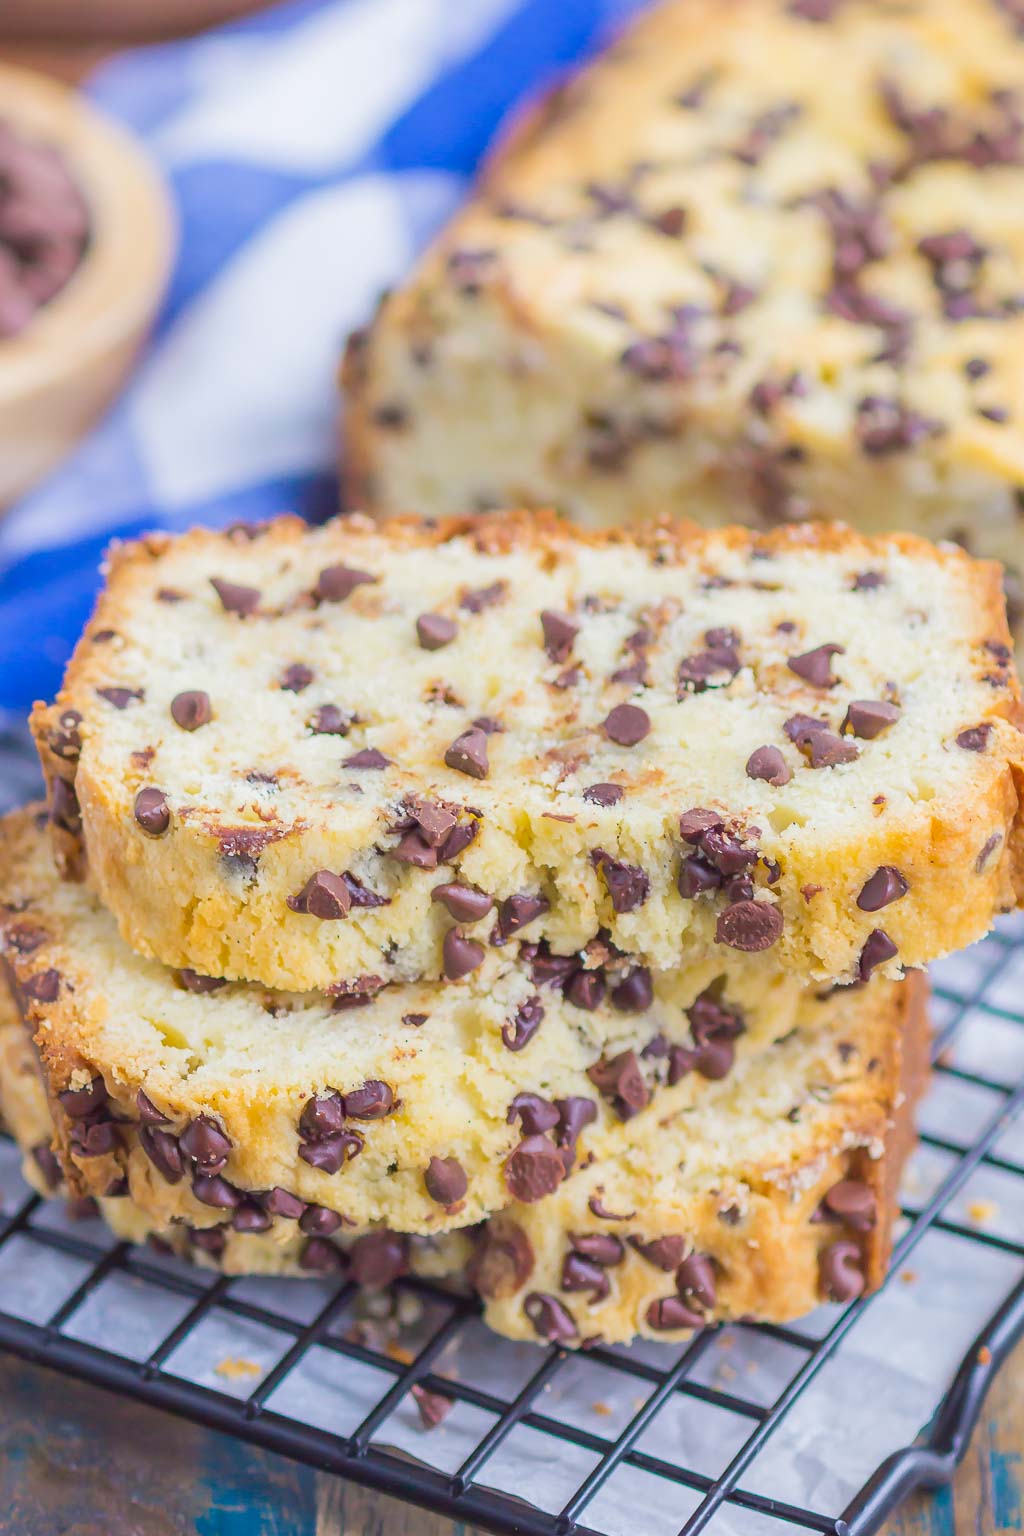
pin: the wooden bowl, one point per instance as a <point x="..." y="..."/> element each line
<point x="64" y="369"/>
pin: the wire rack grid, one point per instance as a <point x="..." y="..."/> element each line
<point x="653" y="1438"/>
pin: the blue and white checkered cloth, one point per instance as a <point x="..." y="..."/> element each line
<point x="311" y="150"/>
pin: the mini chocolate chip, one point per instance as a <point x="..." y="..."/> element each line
<point x="603" y="794"/>
<point x="415" y="1019"/>
<point x="336" y="582"/>
<point x="468" y="754"/>
<point x="768" y="764"/>
<point x="152" y="811"/>
<point x="518" y="911"/>
<point x="585" y="989"/>
<point x="45" y="1160"/>
<point x="78" y="1103"/>
<point x="163" y="1152"/>
<point x="502" y="1261"/>
<point x="534" y="1169"/>
<point x="458" y="840"/>
<point x="324" y="896"/>
<point x="460" y="955"/>
<point x="368" y="758"/>
<point x="378" y="1259"/>
<point x="412" y="848"/>
<point x="121" y="697"/>
<point x="634" y="993"/>
<point x="465" y="903"/>
<point x="211" y="1189"/>
<point x="574" y="1115"/>
<point x="319" y="1221"/>
<point x="446" y="1180"/>
<point x="235" y="598"/>
<point x="206" y="1144"/>
<point x="988" y="849"/>
<point x="853" y="1202"/>
<point x="330" y="1153"/>
<point x="878" y="950"/>
<point x="520" y="1030"/>
<point x="581" y="1274"/>
<point x="696" y="876"/>
<point x="815" y="667"/>
<point x="148" y="1112"/>
<point x="693" y="824"/>
<point x="824" y="749"/>
<point x="842" y="1278"/>
<point x="194" y="981"/>
<point x="627" y="724"/>
<point x="599" y="1247"/>
<point x="621" y="1081"/>
<point x="322" y="1257"/>
<point x="433" y="1408"/>
<point x="281" y="1202"/>
<point x="714" y="668"/>
<point x="372" y="1101"/>
<point x="65" y="739"/>
<point x="209" y="1240"/>
<point x="434" y="631"/>
<point x="483" y="597"/>
<point x="534" y="1113"/>
<point x="975" y="738"/>
<point x="868" y="581"/>
<point x="329" y="720"/>
<point x="97" y="1138"/>
<point x="43" y="987"/>
<point x="489" y="724"/>
<point x="884" y="886"/>
<point x="696" y="1277"/>
<point x="750" y="926"/>
<point x="322" y="1115"/>
<point x="551" y="1320"/>
<point x="296" y="677"/>
<point x="628" y="885"/>
<point x="559" y="634"/>
<point x="63" y="804"/>
<point x="250" y="1217"/>
<point x="868" y="718"/>
<point x="672" y="1312"/>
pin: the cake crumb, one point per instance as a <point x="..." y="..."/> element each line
<point x="908" y="1276"/>
<point x="984" y="1356"/>
<point x="602" y="1409"/>
<point x="235" y="1368"/>
<point x="980" y="1212"/>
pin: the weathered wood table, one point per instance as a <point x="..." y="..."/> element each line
<point x="78" y="1462"/>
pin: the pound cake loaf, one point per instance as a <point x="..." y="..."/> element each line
<point x="761" y="1198"/>
<point x="762" y="261"/>
<point x="333" y="758"/>
<point x="425" y="1107"/>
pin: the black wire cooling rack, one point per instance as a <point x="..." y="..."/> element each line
<point x="610" y="1442"/>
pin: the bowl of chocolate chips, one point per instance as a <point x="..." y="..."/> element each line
<point x="86" y="237"/>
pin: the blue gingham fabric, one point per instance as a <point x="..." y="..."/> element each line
<point x="311" y="150"/>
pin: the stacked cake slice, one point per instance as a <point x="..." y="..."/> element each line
<point x="491" y="898"/>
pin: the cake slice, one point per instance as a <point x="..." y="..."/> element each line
<point x="332" y="757"/>
<point x="759" y="1198"/>
<point x="714" y="274"/>
<point x="424" y="1108"/>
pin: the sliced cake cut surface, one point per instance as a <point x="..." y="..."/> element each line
<point x="335" y="757"/>
<point x="761" y="261"/>
<point x="758" y="1199"/>
<point x="425" y="1107"/>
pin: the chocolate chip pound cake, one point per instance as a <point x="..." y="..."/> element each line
<point x="425" y="1108"/>
<point x="340" y="757"/>
<point x="768" y="1193"/>
<point x="762" y="261"/>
